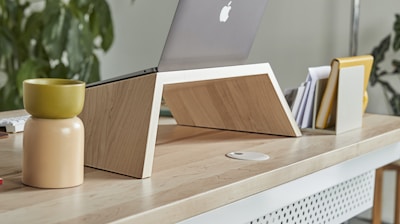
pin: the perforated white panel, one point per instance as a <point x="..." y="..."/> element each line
<point x="332" y="205"/>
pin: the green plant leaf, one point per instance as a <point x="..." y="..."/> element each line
<point x="82" y="5"/>
<point x="10" y="30"/>
<point x="28" y="42"/>
<point x="52" y="7"/>
<point x="2" y="5"/>
<point x="31" y="69"/>
<point x="396" y="28"/>
<point x="10" y="12"/>
<point x="395" y="104"/>
<point x="6" y="43"/>
<point x="55" y="32"/>
<point x="396" y="65"/>
<point x="379" y="51"/>
<point x="33" y="26"/>
<point x="101" y="23"/>
<point x="59" y="71"/>
<point x="91" y="70"/>
<point x="79" y="44"/>
<point x="19" y="17"/>
<point x="38" y="51"/>
<point x="9" y="99"/>
<point x="379" y="55"/>
<point x="32" y="38"/>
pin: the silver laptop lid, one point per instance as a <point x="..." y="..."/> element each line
<point x="211" y="33"/>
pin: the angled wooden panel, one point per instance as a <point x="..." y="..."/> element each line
<point x="248" y="103"/>
<point x="121" y="118"/>
<point x="116" y="118"/>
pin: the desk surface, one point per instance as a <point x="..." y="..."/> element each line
<point x="191" y="174"/>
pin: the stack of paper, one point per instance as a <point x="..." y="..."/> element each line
<point x="302" y="105"/>
<point x="315" y="103"/>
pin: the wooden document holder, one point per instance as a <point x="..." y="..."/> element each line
<point x="348" y="109"/>
<point x="121" y="117"/>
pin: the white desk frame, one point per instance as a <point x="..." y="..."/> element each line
<point x="259" y="205"/>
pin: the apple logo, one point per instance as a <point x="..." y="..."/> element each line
<point x="224" y="15"/>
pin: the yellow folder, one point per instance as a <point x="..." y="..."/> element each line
<point x="326" y="114"/>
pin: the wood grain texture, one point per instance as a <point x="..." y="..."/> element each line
<point x="116" y="117"/>
<point x="377" y="207"/>
<point x="191" y="174"/>
<point x="378" y="199"/>
<point x="248" y="103"/>
<point x="113" y="109"/>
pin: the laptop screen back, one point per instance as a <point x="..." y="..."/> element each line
<point x="211" y="33"/>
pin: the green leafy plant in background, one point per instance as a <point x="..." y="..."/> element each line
<point x="58" y="40"/>
<point x="379" y="74"/>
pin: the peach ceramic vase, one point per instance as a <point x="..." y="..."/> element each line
<point x="53" y="141"/>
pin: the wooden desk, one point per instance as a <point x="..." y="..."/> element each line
<point x="191" y="174"/>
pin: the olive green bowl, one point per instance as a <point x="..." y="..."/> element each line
<point x="53" y="98"/>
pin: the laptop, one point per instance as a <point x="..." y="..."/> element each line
<point x="207" y="33"/>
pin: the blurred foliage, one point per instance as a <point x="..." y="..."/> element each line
<point x="378" y="73"/>
<point x="57" y="41"/>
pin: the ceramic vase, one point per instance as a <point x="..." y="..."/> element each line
<point x="53" y="141"/>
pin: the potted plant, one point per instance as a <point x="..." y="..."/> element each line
<point x="379" y="74"/>
<point x="58" y="40"/>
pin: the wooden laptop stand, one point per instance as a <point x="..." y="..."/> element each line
<point x="121" y="118"/>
